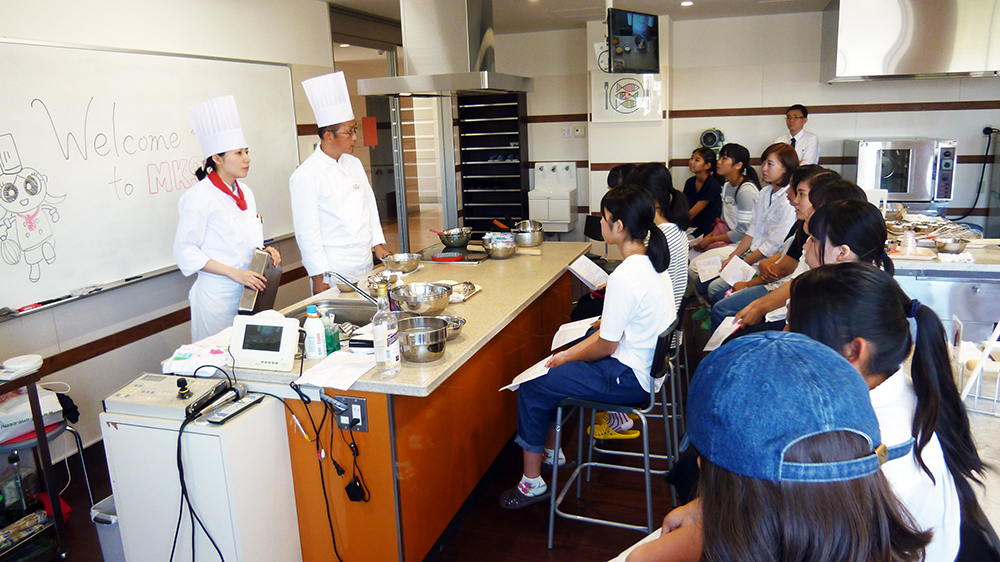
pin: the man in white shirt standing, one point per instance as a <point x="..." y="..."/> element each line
<point x="805" y="143"/>
<point x="333" y="206"/>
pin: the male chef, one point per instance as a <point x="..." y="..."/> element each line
<point x="333" y="206"/>
<point x="805" y="143"/>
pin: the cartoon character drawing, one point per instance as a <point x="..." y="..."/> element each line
<point x="28" y="212"/>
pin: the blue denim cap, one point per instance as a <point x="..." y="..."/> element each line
<point x="758" y="395"/>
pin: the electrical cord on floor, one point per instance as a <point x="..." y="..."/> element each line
<point x="184" y="498"/>
<point x="988" y="131"/>
<point x="319" y="460"/>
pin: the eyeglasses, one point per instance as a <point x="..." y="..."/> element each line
<point x="352" y="132"/>
<point x="793" y="117"/>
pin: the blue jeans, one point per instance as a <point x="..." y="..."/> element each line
<point x="713" y="290"/>
<point x="607" y="380"/>
<point x="731" y="305"/>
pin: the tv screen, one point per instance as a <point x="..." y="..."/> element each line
<point x="633" y="42"/>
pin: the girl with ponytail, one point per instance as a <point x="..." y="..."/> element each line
<point x="862" y="313"/>
<point x="613" y="363"/>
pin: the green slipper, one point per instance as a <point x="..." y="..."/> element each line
<point x="701" y="314"/>
<point x="707" y="324"/>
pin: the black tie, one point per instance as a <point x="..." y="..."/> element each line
<point x="793" y="142"/>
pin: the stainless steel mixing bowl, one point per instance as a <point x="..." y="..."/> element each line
<point x="425" y="299"/>
<point x="403" y="263"/>
<point x="456" y="237"/>
<point x="422" y="338"/>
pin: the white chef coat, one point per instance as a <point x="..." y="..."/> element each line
<point x="934" y="505"/>
<point x="335" y="215"/>
<point x="212" y="226"/>
<point x="806" y="145"/>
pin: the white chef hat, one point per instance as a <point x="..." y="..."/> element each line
<point x="217" y="125"/>
<point x="329" y="98"/>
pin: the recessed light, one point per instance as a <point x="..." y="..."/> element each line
<point x="687" y="3"/>
<point x="345" y="45"/>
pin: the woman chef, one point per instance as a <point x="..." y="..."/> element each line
<point x="333" y="206"/>
<point x="219" y="227"/>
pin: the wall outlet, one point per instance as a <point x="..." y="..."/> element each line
<point x="567" y="132"/>
<point x="358" y="410"/>
<point x="579" y="131"/>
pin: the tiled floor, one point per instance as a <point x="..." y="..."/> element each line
<point x="419" y="225"/>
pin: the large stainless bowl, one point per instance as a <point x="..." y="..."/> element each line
<point x="456" y="237"/>
<point x="950" y="245"/>
<point x="425" y="299"/>
<point x="403" y="263"/>
<point x="499" y="250"/>
<point x="421" y="338"/>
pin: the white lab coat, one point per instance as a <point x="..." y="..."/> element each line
<point x="211" y="226"/>
<point x="335" y="215"/>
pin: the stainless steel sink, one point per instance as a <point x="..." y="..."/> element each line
<point x="355" y="311"/>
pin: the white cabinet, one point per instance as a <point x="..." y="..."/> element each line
<point x="238" y="477"/>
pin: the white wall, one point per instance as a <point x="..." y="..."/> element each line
<point x="292" y="31"/>
<point x="773" y="61"/>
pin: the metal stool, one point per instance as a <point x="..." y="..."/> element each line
<point x="29" y="441"/>
<point x="658" y="369"/>
<point x="675" y="417"/>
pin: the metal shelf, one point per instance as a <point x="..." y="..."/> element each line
<point x="488" y="134"/>
<point x="489" y="104"/>
<point x="490" y="147"/>
<point x="493" y="162"/>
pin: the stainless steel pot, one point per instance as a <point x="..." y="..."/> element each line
<point x="422" y="338"/>
<point x="528" y="234"/>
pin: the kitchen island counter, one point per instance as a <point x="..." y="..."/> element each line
<point x="435" y="428"/>
<point x="508" y="288"/>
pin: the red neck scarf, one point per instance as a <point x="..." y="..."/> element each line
<point x="241" y="201"/>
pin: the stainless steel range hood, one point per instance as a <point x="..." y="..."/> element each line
<point x="447" y="50"/>
<point x="868" y="40"/>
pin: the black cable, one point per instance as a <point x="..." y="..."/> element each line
<point x="232" y="380"/>
<point x="319" y="462"/>
<point x="982" y="173"/>
<point x="184" y="498"/>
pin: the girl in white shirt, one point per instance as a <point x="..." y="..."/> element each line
<point x="773" y="215"/>
<point x="612" y="364"/>
<point x="862" y="312"/>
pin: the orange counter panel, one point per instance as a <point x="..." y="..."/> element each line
<point x="365" y="531"/>
<point x="446" y="441"/>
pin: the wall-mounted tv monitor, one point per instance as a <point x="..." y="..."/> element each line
<point x="633" y="42"/>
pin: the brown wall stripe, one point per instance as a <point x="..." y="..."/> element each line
<point x="307" y="129"/>
<point x="558" y="118"/>
<point x="79" y="354"/>
<point x="844" y="160"/>
<point x="845" y="108"/>
<point x="310" y="129"/>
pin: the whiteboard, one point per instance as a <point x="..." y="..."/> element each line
<point x="96" y="149"/>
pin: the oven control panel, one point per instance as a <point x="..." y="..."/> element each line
<point x="944" y="176"/>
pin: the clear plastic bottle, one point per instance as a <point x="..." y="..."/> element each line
<point x="315" y="334"/>
<point x="385" y="329"/>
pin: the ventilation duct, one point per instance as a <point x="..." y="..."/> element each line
<point x="867" y="40"/>
<point x="447" y="50"/>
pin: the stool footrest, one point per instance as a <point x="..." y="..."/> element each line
<point x="569" y="484"/>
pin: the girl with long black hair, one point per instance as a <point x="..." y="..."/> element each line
<point x="862" y="313"/>
<point x="613" y="363"/>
